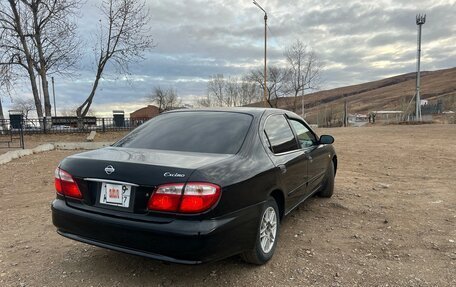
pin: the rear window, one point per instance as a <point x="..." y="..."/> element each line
<point x="206" y="132"/>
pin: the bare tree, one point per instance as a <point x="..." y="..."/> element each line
<point x="240" y="92"/>
<point x="248" y="92"/>
<point x="331" y="115"/>
<point x="25" y="105"/>
<point x="276" y="83"/>
<point x="204" y="102"/>
<point x="304" y="69"/>
<point x="165" y="99"/>
<point x="122" y="39"/>
<point x="158" y="97"/>
<point x="229" y="92"/>
<point x="2" y="117"/>
<point x="279" y="78"/>
<point x="173" y="101"/>
<point x="5" y="87"/>
<point x="38" y="38"/>
<point x="231" y="98"/>
<point x="216" y="89"/>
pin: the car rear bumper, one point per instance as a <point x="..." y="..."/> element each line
<point x="179" y="241"/>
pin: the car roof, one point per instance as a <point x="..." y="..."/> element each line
<point x="246" y="110"/>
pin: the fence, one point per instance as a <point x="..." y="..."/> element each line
<point x="68" y="125"/>
<point x="11" y="139"/>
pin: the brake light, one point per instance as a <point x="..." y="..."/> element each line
<point x="193" y="197"/>
<point x="199" y="197"/>
<point x="65" y="184"/>
<point x="166" y="197"/>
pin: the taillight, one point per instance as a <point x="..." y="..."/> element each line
<point x="57" y="182"/>
<point x="65" y="184"/>
<point x="166" y="197"/>
<point x="199" y="197"/>
<point x="193" y="197"/>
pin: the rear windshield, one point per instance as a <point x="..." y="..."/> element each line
<point x="207" y="132"/>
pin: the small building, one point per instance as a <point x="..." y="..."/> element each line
<point x="387" y="116"/>
<point x="357" y="118"/>
<point x="145" y="113"/>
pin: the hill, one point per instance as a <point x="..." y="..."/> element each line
<point x="393" y="93"/>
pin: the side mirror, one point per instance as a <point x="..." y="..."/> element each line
<point x="326" y="139"/>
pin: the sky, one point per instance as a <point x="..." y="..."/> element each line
<point x="358" y="41"/>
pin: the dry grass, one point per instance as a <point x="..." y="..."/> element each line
<point x="388" y="94"/>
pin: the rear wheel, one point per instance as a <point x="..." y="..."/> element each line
<point x="327" y="188"/>
<point x="266" y="239"/>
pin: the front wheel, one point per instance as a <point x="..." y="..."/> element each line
<point x="268" y="231"/>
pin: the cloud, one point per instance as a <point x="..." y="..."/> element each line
<point x="358" y="41"/>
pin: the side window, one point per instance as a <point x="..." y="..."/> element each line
<point x="305" y="136"/>
<point x="279" y="134"/>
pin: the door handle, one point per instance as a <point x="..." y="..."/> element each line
<point x="283" y="168"/>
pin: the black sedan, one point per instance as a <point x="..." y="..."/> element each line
<point x="192" y="186"/>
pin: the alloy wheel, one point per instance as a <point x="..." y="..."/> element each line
<point x="268" y="229"/>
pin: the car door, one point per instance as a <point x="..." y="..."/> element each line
<point x="287" y="157"/>
<point x="315" y="153"/>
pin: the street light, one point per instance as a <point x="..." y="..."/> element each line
<point x="420" y="20"/>
<point x="265" y="41"/>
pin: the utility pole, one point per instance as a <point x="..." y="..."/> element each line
<point x="265" y="49"/>
<point x="53" y="93"/>
<point x="326" y="113"/>
<point x="345" y="113"/>
<point x="420" y="20"/>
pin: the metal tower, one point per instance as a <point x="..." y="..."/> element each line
<point x="420" y="20"/>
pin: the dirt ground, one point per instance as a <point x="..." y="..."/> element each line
<point x="391" y="222"/>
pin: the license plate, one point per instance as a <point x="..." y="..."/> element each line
<point x="115" y="194"/>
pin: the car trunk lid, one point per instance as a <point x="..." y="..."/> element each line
<point x="140" y="170"/>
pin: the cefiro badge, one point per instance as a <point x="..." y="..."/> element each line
<point x="170" y="174"/>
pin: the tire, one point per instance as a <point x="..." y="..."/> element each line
<point x="327" y="188"/>
<point x="264" y="248"/>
